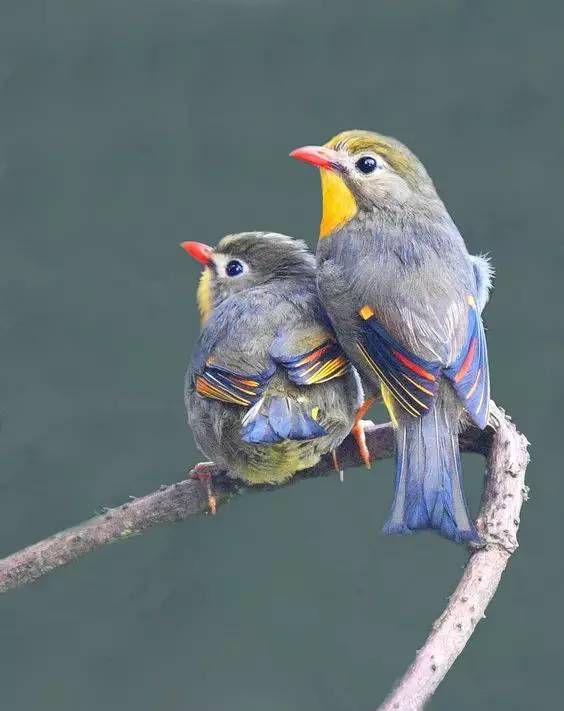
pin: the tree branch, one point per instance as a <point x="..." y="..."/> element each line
<point x="498" y="523"/>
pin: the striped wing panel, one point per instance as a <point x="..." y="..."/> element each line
<point x="412" y="381"/>
<point x="469" y="374"/>
<point x="222" y="384"/>
<point x="321" y="364"/>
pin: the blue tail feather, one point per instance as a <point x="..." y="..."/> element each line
<point x="278" y="418"/>
<point x="428" y="491"/>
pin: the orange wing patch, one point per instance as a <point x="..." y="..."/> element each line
<point x="221" y="384"/>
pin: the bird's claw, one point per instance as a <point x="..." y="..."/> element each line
<point x="201" y="472"/>
<point x="360" y="439"/>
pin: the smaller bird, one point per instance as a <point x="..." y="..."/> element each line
<point x="269" y="390"/>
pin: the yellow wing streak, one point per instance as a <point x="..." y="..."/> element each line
<point x="406" y="406"/>
<point x="417" y="385"/>
<point x="329" y="369"/>
<point x="411" y="395"/>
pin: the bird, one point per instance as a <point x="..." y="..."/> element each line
<point x="405" y="297"/>
<point x="268" y="390"/>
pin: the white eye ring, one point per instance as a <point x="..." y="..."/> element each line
<point x="367" y="164"/>
<point x="228" y="266"/>
<point x="234" y="268"/>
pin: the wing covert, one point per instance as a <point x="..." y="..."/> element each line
<point x="310" y="356"/>
<point x="219" y="383"/>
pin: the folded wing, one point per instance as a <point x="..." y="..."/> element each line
<point x="414" y="381"/>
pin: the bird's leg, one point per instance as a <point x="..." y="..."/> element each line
<point x="358" y="431"/>
<point x="201" y="472"/>
<point x="360" y="439"/>
<point x="336" y="465"/>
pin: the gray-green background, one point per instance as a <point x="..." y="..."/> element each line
<point x="127" y="127"/>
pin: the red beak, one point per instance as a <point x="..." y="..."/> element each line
<point x="317" y="155"/>
<point x="200" y="252"/>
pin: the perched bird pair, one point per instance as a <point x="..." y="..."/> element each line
<point x="270" y="390"/>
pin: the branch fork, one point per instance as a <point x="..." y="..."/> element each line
<point x="505" y="491"/>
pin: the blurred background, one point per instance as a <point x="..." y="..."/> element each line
<point x="127" y="127"/>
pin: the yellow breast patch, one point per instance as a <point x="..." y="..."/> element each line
<point x="203" y="296"/>
<point x="339" y="205"/>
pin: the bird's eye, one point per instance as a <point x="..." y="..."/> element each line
<point x="234" y="268"/>
<point x="366" y="164"/>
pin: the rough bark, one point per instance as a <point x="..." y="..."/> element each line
<point x="498" y="522"/>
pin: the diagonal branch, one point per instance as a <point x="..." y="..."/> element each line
<point x="498" y="522"/>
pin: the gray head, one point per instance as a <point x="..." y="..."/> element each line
<point x="246" y="260"/>
<point x="363" y="172"/>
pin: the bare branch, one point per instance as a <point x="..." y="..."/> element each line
<point x="498" y="522"/>
<point x="173" y="503"/>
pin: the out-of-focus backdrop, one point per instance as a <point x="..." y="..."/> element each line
<point x="127" y="127"/>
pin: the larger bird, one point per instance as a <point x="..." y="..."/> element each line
<point x="404" y="297"/>
<point x="269" y="390"/>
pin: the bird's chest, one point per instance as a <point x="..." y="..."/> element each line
<point x="355" y="270"/>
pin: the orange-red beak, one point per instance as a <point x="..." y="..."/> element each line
<point x="200" y="252"/>
<point x="317" y="155"/>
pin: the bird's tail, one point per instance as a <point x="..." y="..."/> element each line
<point x="428" y="491"/>
<point x="275" y="418"/>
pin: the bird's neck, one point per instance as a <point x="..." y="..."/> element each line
<point x="341" y="210"/>
<point x="393" y="218"/>
<point x="407" y="237"/>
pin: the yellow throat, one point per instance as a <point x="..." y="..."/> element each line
<point x="339" y="205"/>
<point x="204" y="297"/>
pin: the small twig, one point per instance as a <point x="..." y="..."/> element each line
<point x="498" y="522"/>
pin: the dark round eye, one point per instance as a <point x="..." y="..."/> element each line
<point x="233" y="268"/>
<point x="366" y="164"/>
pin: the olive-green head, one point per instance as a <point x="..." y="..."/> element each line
<point x="363" y="171"/>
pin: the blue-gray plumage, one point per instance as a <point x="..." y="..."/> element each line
<point x="405" y="297"/>
<point x="268" y="391"/>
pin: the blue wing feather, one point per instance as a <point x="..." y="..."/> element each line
<point x="413" y="381"/>
<point x="469" y="374"/>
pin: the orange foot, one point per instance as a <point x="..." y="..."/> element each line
<point x="360" y="439"/>
<point x="201" y="472"/>
<point x="358" y="431"/>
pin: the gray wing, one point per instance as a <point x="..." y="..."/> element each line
<point x="423" y="306"/>
<point x="232" y="362"/>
